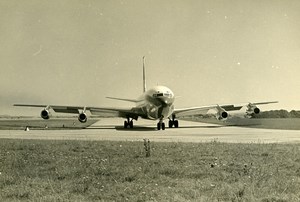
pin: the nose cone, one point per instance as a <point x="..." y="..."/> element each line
<point x="162" y="94"/>
<point x="167" y="99"/>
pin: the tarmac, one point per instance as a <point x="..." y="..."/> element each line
<point x="112" y="129"/>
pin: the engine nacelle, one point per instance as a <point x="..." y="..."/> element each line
<point x="45" y="114"/>
<point x="251" y="110"/>
<point x="82" y="117"/>
<point x="256" y="110"/>
<point x="222" y="115"/>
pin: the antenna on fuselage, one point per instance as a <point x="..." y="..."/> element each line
<point x="144" y="76"/>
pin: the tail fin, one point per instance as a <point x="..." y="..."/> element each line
<point x="144" y="76"/>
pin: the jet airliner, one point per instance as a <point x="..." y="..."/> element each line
<point x="157" y="103"/>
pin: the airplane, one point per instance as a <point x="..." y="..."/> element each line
<point x="157" y="103"/>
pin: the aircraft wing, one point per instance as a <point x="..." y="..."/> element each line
<point x="192" y="111"/>
<point x="133" y="112"/>
<point x="99" y="111"/>
<point x="204" y="109"/>
<point x="57" y="108"/>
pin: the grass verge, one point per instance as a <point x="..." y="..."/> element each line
<point x="40" y="170"/>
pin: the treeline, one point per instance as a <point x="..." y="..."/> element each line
<point x="278" y="114"/>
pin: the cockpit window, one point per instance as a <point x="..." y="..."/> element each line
<point x="167" y="94"/>
<point x="158" y="95"/>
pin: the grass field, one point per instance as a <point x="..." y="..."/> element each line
<point x="14" y="123"/>
<point x="36" y="170"/>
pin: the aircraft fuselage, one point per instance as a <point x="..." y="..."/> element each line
<point x="157" y="103"/>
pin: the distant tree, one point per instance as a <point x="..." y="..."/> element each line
<point x="295" y="114"/>
<point x="264" y="114"/>
<point x="278" y="114"/>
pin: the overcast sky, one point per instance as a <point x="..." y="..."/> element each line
<point x="78" y="52"/>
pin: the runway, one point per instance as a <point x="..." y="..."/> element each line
<point x="112" y="129"/>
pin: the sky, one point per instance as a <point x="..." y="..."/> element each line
<point x="74" y="52"/>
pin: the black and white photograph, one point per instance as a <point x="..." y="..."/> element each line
<point x="147" y="100"/>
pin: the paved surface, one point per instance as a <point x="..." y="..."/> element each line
<point x="112" y="129"/>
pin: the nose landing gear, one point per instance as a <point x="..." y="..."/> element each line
<point x="161" y="126"/>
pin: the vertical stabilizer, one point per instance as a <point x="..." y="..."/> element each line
<point x="144" y="76"/>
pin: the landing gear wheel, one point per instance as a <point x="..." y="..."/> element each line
<point x="125" y="124"/>
<point x="161" y="126"/>
<point x="131" y="124"/>
<point x="171" y="123"/>
<point x="128" y="123"/>
<point x="176" y="124"/>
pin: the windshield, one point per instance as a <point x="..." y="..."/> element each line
<point x="158" y="95"/>
<point x="162" y="94"/>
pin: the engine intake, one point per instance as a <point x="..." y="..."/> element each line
<point x="45" y="114"/>
<point x="222" y="115"/>
<point x="256" y="110"/>
<point x="252" y="110"/>
<point x="82" y="117"/>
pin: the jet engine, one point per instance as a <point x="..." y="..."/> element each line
<point x="251" y="110"/>
<point x="45" y="114"/>
<point x="82" y="117"/>
<point x="221" y="114"/>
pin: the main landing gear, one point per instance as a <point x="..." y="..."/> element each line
<point x="160" y="125"/>
<point x="128" y="123"/>
<point x="173" y="122"/>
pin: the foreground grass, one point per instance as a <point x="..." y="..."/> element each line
<point x="36" y="170"/>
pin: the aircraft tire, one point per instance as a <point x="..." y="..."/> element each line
<point x="163" y="127"/>
<point x="125" y="124"/>
<point x="131" y="124"/>
<point x="176" y="123"/>
<point x="171" y="123"/>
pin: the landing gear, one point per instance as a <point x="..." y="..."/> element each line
<point x="128" y="123"/>
<point x="173" y="122"/>
<point x="161" y="126"/>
